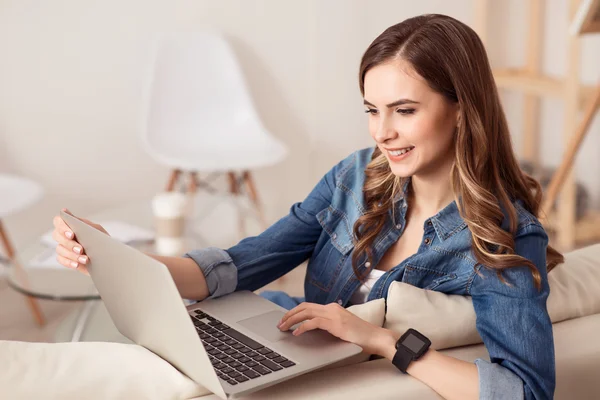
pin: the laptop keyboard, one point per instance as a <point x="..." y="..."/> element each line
<point x="235" y="357"/>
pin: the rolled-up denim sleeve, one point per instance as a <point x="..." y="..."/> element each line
<point x="218" y="269"/>
<point x="514" y="324"/>
<point x="256" y="261"/>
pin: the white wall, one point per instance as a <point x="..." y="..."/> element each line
<point x="70" y="88"/>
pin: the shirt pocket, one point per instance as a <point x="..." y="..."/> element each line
<point x="326" y="265"/>
<point x="429" y="279"/>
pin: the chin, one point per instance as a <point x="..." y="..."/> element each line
<point x="402" y="171"/>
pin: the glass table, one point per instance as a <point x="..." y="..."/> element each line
<point x="64" y="284"/>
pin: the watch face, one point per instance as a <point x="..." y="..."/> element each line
<point x="413" y="343"/>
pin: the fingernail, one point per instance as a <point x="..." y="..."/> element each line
<point x="74" y="264"/>
<point x="295" y="333"/>
<point x="77" y="250"/>
<point x="69" y="234"/>
<point x="82" y="259"/>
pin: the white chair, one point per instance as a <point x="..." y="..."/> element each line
<point x="16" y="194"/>
<point x="199" y="116"/>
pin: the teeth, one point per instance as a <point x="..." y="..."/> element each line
<point x="400" y="152"/>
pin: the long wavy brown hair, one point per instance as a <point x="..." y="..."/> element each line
<point x="485" y="176"/>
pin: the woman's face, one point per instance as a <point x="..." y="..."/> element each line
<point x="411" y="124"/>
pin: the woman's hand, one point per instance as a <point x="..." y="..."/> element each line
<point x="340" y="322"/>
<point x="69" y="252"/>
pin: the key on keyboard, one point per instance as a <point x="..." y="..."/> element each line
<point x="235" y="356"/>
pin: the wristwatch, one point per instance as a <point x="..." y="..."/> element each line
<point x="411" y="346"/>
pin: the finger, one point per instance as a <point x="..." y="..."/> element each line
<point x="66" y="262"/>
<point x="68" y="254"/>
<point x="293" y="311"/>
<point x="72" y="265"/>
<point x="301" y="307"/>
<point x="315" y="323"/>
<point x="68" y="244"/>
<point x="62" y="227"/>
<point x="294" y="319"/>
<point x="306" y="314"/>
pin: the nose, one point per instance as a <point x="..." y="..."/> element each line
<point x="385" y="131"/>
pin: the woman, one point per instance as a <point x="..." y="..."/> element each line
<point x="439" y="203"/>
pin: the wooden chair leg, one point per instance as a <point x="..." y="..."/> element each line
<point x="10" y="251"/>
<point x="11" y="254"/>
<point x="175" y="174"/>
<point x="192" y="188"/>
<point x="253" y="194"/>
<point x="193" y="183"/>
<point x="234" y="189"/>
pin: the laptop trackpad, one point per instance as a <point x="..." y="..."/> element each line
<point x="265" y="325"/>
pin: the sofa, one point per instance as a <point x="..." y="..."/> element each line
<point x="118" y="370"/>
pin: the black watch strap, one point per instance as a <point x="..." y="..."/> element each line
<point x="402" y="359"/>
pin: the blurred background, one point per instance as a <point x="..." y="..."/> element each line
<point x="73" y="109"/>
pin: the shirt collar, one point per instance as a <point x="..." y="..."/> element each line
<point x="448" y="221"/>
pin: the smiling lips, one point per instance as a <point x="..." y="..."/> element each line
<point x="400" y="152"/>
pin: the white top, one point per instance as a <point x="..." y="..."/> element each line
<point x="362" y="293"/>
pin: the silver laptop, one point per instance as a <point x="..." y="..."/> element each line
<point x="230" y="345"/>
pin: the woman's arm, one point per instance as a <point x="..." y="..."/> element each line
<point x="188" y="278"/>
<point x="514" y="324"/>
<point x="450" y="377"/>
<point x="256" y="261"/>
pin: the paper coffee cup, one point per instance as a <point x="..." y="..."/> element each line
<point x="169" y="222"/>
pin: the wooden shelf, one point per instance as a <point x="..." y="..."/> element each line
<point x="521" y="80"/>
<point x="575" y="97"/>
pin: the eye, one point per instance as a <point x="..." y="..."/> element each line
<point x="371" y="111"/>
<point x="405" y="111"/>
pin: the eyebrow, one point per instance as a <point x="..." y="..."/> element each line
<point x="394" y="104"/>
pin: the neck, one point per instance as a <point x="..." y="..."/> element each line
<point x="431" y="193"/>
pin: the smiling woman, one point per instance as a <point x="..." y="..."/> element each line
<point x="415" y="130"/>
<point x="438" y="202"/>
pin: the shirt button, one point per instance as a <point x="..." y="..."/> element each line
<point x="429" y="223"/>
<point x="427" y="241"/>
<point x="334" y="236"/>
<point x="339" y="302"/>
<point x="368" y="264"/>
<point x="399" y="226"/>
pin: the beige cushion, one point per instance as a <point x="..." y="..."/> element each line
<point x="65" y="371"/>
<point x="449" y="320"/>
<point x="575" y="285"/>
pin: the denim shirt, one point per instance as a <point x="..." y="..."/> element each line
<point x="512" y="320"/>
